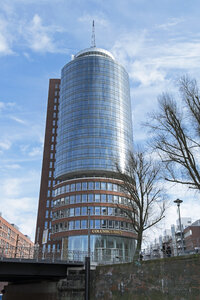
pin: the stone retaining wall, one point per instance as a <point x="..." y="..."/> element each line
<point x="170" y="278"/>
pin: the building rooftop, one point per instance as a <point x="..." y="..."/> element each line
<point x="94" y="51"/>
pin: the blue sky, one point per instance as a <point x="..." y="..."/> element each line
<point x="156" y="41"/>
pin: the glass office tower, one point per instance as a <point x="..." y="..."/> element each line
<point x="94" y="132"/>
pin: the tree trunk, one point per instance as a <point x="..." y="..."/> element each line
<point x="139" y="245"/>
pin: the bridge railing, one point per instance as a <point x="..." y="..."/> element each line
<point x="99" y="256"/>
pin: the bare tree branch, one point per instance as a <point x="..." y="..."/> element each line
<point x="140" y="181"/>
<point x="173" y="135"/>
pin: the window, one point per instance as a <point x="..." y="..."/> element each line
<point x="84" y="211"/>
<point x="54" y="122"/>
<point x="90" y="197"/>
<point x="47" y="214"/>
<point x="109" y="186"/>
<point x="110" y="224"/>
<point x="84" y="186"/>
<point x="77" y="211"/>
<point x="90" y="185"/>
<point x="84" y="198"/>
<point x="91" y="224"/>
<point x="48" y="193"/>
<point x="97" y="197"/>
<point x="71" y="212"/>
<point x="115" y="187"/>
<point x="45" y="225"/>
<point x="84" y="224"/>
<point x="103" y="223"/>
<point x="97" y="210"/>
<point x="54" y="115"/>
<point x="110" y="198"/>
<point x="47" y="203"/>
<point x="77" y="224"/>
<point x="50" y="173"/>
<point x="53" y="130"/>
<point x="52" y="146"/>
<point x="51" y="203"/>
<point x="78" y="186"/>
<point x="78" y="198"/>
<point x="103" y="198"/>
<point x="49" y="248"/>
<point x="51" y="155"/>
<point x="110" y="211"/>
<point x="55" y="100"/>
<point x="56" y="93"/>
<point x="67" y="188"/>
<point x="51" y="164"/>
<point x="97" y="224"/>
<point x="117" y="224"/>
<point x="50" y="225"/>
<point x="72" y="187"/>
<point x="67" y="200"/>
<point x="55" y="107"/>
<point x="49" y="183"/>
<point x="72" y="199"/>
<point x="104" y="211"/>
<point x="97" y="185"/>
<point x="71" y="225"/>
<point x="52" y="138"/>
<point x="91" y="208"/>
<point x="103" y="186"/>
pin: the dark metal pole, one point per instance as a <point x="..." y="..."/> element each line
<point x="87" y="264"/>
<point x="87" y="278"/>
<point x="88" y="232"/>
<point x="178" y="202"/>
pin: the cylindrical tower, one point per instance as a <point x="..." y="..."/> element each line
<point x="95" y="127"/>
<point x="94" y="131"/>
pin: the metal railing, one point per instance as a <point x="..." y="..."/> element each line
<point x="36" y="253"/>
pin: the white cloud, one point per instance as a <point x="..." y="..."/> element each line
<point x="36" y="151"/>
<point x="171" y="23"/>
<point x="98" y="19"/>
<point x="5" y="38"/>
<point x="5" y="144"/>
<point x="40" y="37"/>
<point x="18" y="120"/>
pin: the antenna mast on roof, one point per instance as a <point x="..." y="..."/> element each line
<point x="93" y="44"/>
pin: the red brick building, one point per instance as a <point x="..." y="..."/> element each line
<point x="13" y="243"/>
<point x="192" y="237"/>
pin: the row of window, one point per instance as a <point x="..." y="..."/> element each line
<point x="94" y="224"/>
<point x="71" y="124"/>
<point x="85" y="211"/>
<point x="83" y="198"/>
<point x="94" y="64"/>
<point x="85" y="186"/>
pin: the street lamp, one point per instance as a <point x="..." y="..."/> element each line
<point x="178" y="202"/>
<point x="87" y="263"/>
<point x="88" y="232"/>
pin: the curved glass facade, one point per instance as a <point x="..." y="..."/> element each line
<point x="94" y="131"/>
<point x="95" y="126"/>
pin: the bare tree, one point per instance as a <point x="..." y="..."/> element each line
<point x="176" y="133"/>
<point x="146" y="204"/>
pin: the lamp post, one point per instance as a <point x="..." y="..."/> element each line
<point x="87" y="264"/>
<point x="89" y="232"/>
<point x="178" y="202"/>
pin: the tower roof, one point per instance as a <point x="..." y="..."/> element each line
<point x="94" y="51"/>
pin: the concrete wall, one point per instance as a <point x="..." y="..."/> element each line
<point x="176" y="278"/>
<point x="171" y="278"/>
